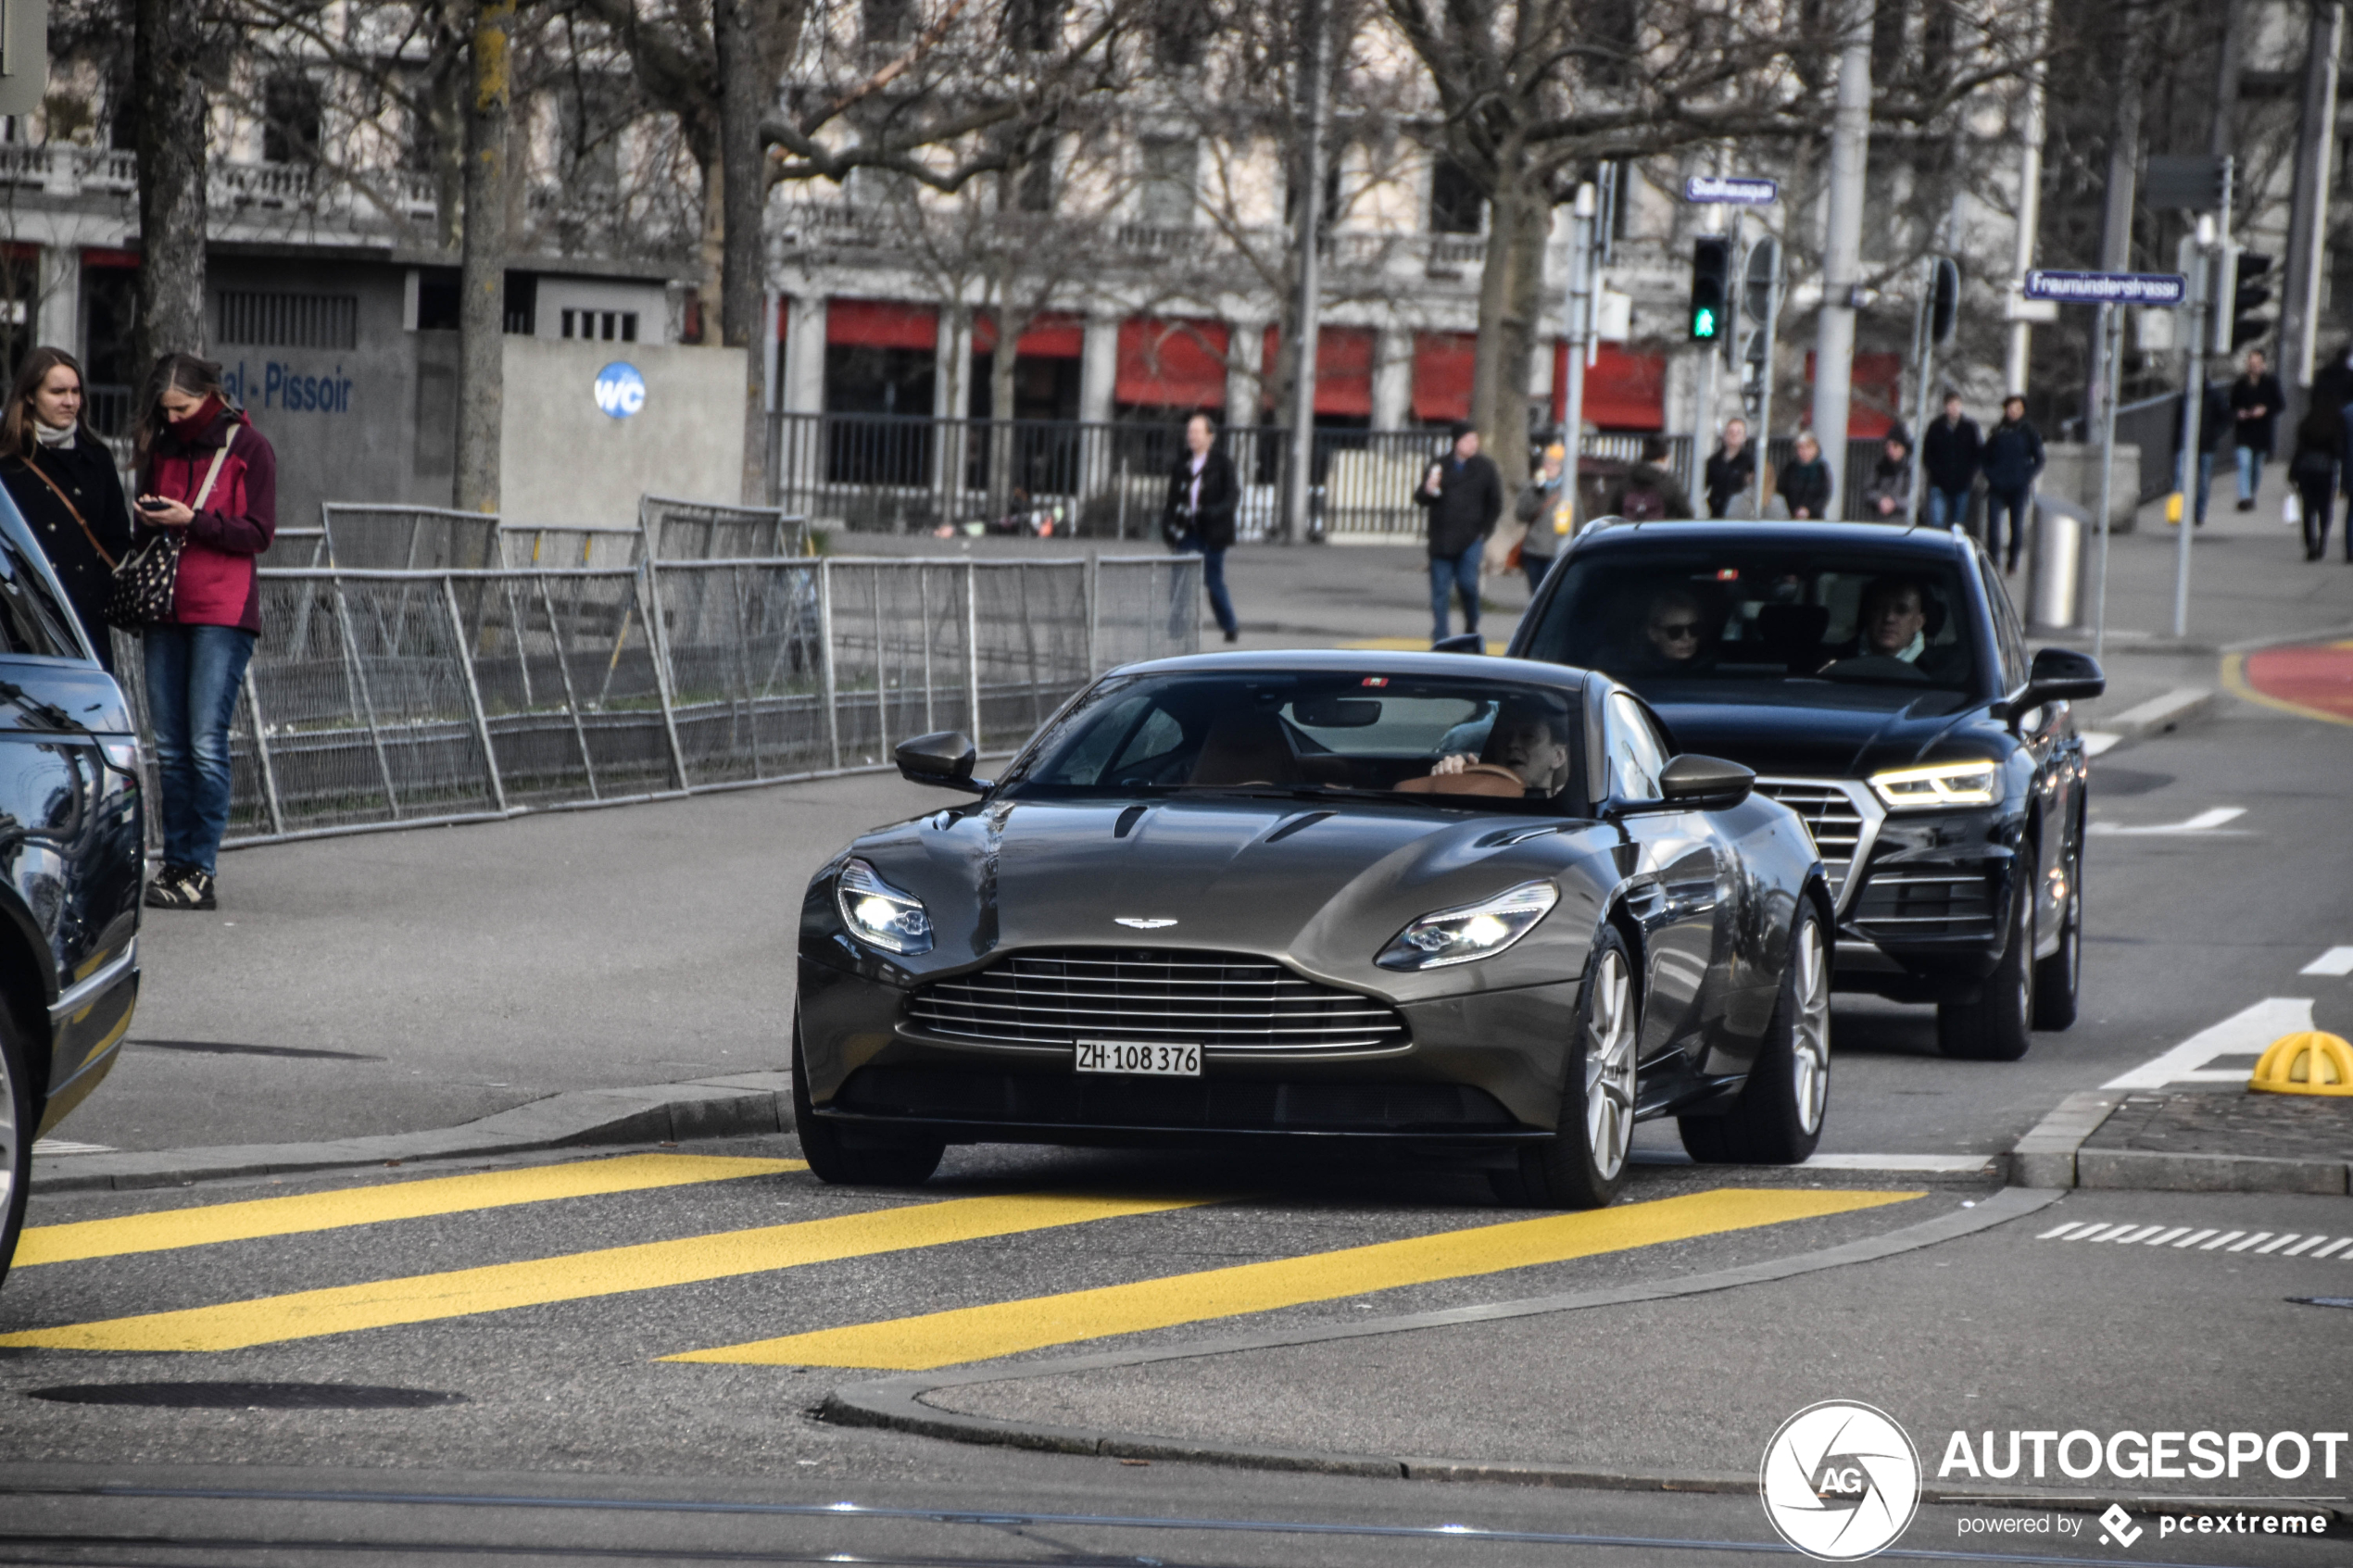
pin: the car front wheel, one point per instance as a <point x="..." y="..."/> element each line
<point x="16" y="1137"/>
<point x="1995" y="1027"/>
<point x="837" y="1162"/>
<point x="1583" y="1164"/>
<point x="2059" y="978"/>
<point x="1777" y="1118"/>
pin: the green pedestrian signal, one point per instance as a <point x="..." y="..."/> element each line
<point x="1703" y="322"/>
<point x="1711" y="286"/>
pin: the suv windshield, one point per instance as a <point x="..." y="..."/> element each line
<point x="1487" y="745"/>
<point x="1676" y="622"/>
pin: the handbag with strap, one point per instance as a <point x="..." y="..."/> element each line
<point x="72" y="510"/>
<point x="148" y="579"/>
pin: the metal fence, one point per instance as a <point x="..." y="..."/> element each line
<point x="382" y="697"/>
<point x="358" y="536"/>
<point x="902" y="473"/>
<point x="2154" y="424"/>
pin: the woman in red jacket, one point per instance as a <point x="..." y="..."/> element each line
<point x="203" y="469"/>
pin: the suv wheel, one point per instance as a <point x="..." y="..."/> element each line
<point x="838" y="1163"/>
<point x="16" y="1137"/>
<point x="1777" y="1118"/>
<point x="1583" y="1164"/>
<point x="2059" y="978"/>
<point x="1994" y="1027"/>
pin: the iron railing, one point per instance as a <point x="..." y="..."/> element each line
<point x="381" y="698"/>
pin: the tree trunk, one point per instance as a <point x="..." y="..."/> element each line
<point x="711" y="248"/>
<point x="743" y="185"/>
<point x="169" y="103"/>
<point x="482" y="314"/>
<point x="1510" y="291"/>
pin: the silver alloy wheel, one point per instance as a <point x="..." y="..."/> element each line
<point x="1609" y="1066"/>
<point x="1811" y="1030"/>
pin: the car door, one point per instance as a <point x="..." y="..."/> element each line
<point x="1674" y="890"/>
<point x="2048" y="736"/>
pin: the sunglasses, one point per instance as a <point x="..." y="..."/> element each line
<point x="1676" y="630"/>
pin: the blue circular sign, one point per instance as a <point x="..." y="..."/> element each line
<point x="620" y="391"/>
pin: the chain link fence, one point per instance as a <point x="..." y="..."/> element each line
<point x="384" y="696"/>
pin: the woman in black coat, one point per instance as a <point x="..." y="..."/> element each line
<point x="63" y="479"/>
<point x="1805" y="484"/>
<point x="2319" y="453"/>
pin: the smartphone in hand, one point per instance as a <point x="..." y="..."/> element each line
<point x="153" y="503"/>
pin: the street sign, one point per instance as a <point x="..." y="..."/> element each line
<point x="620" y="390"/>
<point x="2108" y="288"/>
<point x="1733" y="190"/>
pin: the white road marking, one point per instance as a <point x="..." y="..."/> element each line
<point x="2226" y="1235"/>
<point x="2243" y="1246"/>
<point x="2336" y="960"/>
<point x="2098" y="741"/>
<point x="2205" y="822"/>
<point x="2305" y="1246"/>
<point x="2057" y="1231"/>
<point x="2168" y="1237"/>
<point x="2242" y="1033"/>
<point x="2194" y="1237"/>
<point x="2340" y="1241"/>
<point x="2141" y="1234"/>
<point x="1899" y="1161"/>
<point x="2275" y="1246"/>
<point x="66" y="1146"/>
<point x="2265" y="1244"/>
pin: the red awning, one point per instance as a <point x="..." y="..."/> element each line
<point x="881" y="323"/>
<point x="1172" y="364"/>
<point x="98" y="256"/>
<point x="1443" y="365"/>
<point x="1051" y="335"/>
<point x="1623" y="392"/>
<point x="1343" y="369"/>
<point x="1875" y="394"/>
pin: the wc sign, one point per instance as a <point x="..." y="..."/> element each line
<point x="620" y="391"/>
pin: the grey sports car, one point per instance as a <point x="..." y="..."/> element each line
<point x="1471" y="905"/>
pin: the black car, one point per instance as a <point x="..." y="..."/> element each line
<point x="70" y="865"/>
<point x="1460" y="903"/>
<point x="1877" y="679"/>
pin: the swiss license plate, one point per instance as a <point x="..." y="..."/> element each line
<point x="1122" y="1056"/>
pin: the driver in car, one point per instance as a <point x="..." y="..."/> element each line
<point x="1893" y="625"/>
<point x="1675" y="635"/>
<point x="1525" y="744"/>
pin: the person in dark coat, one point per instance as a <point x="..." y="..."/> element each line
<point x="1651" y="493"/>
<point x="1463" y="491"/>
<point x="2213" y="429"/>
<point x="1732" y="469"/>
<point x="2013" y="460"/>
<point x="62" y="478"/>
<point x="2320" y="455"/>
<point x="1889" y="495"/>
<point x="1948" y="460"/>
<point x="1805" y="484"/>
<point x="1203" y="495"/>
<point x="2255" y="402"/>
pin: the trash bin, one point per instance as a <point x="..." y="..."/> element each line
<point x="2055" y="585"/>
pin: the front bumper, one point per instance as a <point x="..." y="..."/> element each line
<point x="1483" y="1066"/>
<point x="1927" y="918"/>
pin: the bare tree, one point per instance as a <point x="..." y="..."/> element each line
<point x="167" y="105"/>
<point x="481" y="283"/>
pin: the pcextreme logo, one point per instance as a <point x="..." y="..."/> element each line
<point x="1840" y="1481"/>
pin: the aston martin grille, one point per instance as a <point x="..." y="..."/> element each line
<point x="1222" y="1001"/>
<point x="1830" y="814"/>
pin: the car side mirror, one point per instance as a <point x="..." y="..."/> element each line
<point x="945" y="759"/>
<point x="1704" y="783"/>
<point x="2056" y="675"/>
<point x="1462" y="641"/>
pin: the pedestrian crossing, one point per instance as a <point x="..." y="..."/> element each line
<point x="966" y="1331"/>
<point x="2207" y="1238"/>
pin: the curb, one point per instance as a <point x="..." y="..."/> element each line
<point x="2052" y="1155"/>
<point x="897" y="1403"/>
<point x="745" y="1104"/>
<point x="2181" y="706"/>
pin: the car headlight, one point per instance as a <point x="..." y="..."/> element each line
<point x="1475" y="931"/>
<point x="1947" y="783"/>
<point x="879" y="913"/>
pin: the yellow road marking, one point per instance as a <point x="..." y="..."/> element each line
<point x="291" y="1215"/>
<point x="610" y="1271"/>
<point x="979" y="1334"/>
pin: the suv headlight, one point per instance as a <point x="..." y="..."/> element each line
<point x="1475" y="931"/>
<point x="1947" y="783"/>
<point x="879" y="913"/>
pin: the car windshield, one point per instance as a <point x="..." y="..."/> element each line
<point x="1473" y="744"/>
<point x="1674" y="622"/>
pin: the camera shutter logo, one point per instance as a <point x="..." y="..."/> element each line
<point x="620" y="391"/>
<point x="1840" y="1481"/>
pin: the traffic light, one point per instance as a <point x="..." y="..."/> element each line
<point x="2248" y="295"/>
<point x="1944" y="300"/>
<point x="1711" y="286"/>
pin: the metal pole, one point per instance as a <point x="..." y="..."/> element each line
<point x="367" y="705"/>
<point x="2309" y="215"/>
<point x="2030" y="201"/>
<point x="1094" y="612"/>
<point x="882" y="676"/>
<point x="972" y="647"/>
<point x="261" y="756"/>
<point x="826" y="652"/>
<point x="1924" y="367"/>
<point x="658" y="638"/>
<point x="473" y="693"/>
<point x="1579" y="323"/>
<point x="572" y="698"/>
<point x="1843" y="247"/>
<point x="2111" y="324"/>
<point x="2193" y="418"/>
<point x="1762" y="434"/>
<point x="1296" y="480"/>
<point x="923" y="593"/>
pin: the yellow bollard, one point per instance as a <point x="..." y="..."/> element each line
<point x="2308" y="1063"/>
<point x="2173" y="507"/>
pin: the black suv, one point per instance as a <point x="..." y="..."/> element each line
<point x="1877" y="679"/>
<point x="70" y="865"/>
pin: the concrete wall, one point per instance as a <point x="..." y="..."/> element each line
<point x="564" y="459"/>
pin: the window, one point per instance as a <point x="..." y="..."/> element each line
<point x="290" y="119"/>
<point x="30" y="619"/>
<point x="1636" y="758"/>
<point x="285" y="321"/>
<point x="1165" y="200"/>
<point x="605" y="326"/>
<point x="1457" y="203"/>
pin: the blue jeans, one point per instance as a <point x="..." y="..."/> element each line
<point x="1213" y="577"/>
<point x="2205" y="483"/>
<point x="194" y="674"/>
<point x="1947" y="507"/>
<point x="1455" y="574"/>
<point x="2250" y="472"/>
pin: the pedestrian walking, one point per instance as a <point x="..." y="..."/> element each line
<point x="1464" y="494"/>
<point x="2332" y="388"/>
<point x="1805" y="484"/>
<point x="1203" y="496"/>
<point x="2319" y="457"/>
<point x="1949" y="455"/>
<point x="1889" y="495"/>
<point x="1732" y="469"/>
<point x="2255" y="402"/>
<point x="63" y="480"/>
<point x="1543" y="507"/>
<point x="206" y="474"/>
<point x="1651" y="493"/>
<point x="2013" y="460"/>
